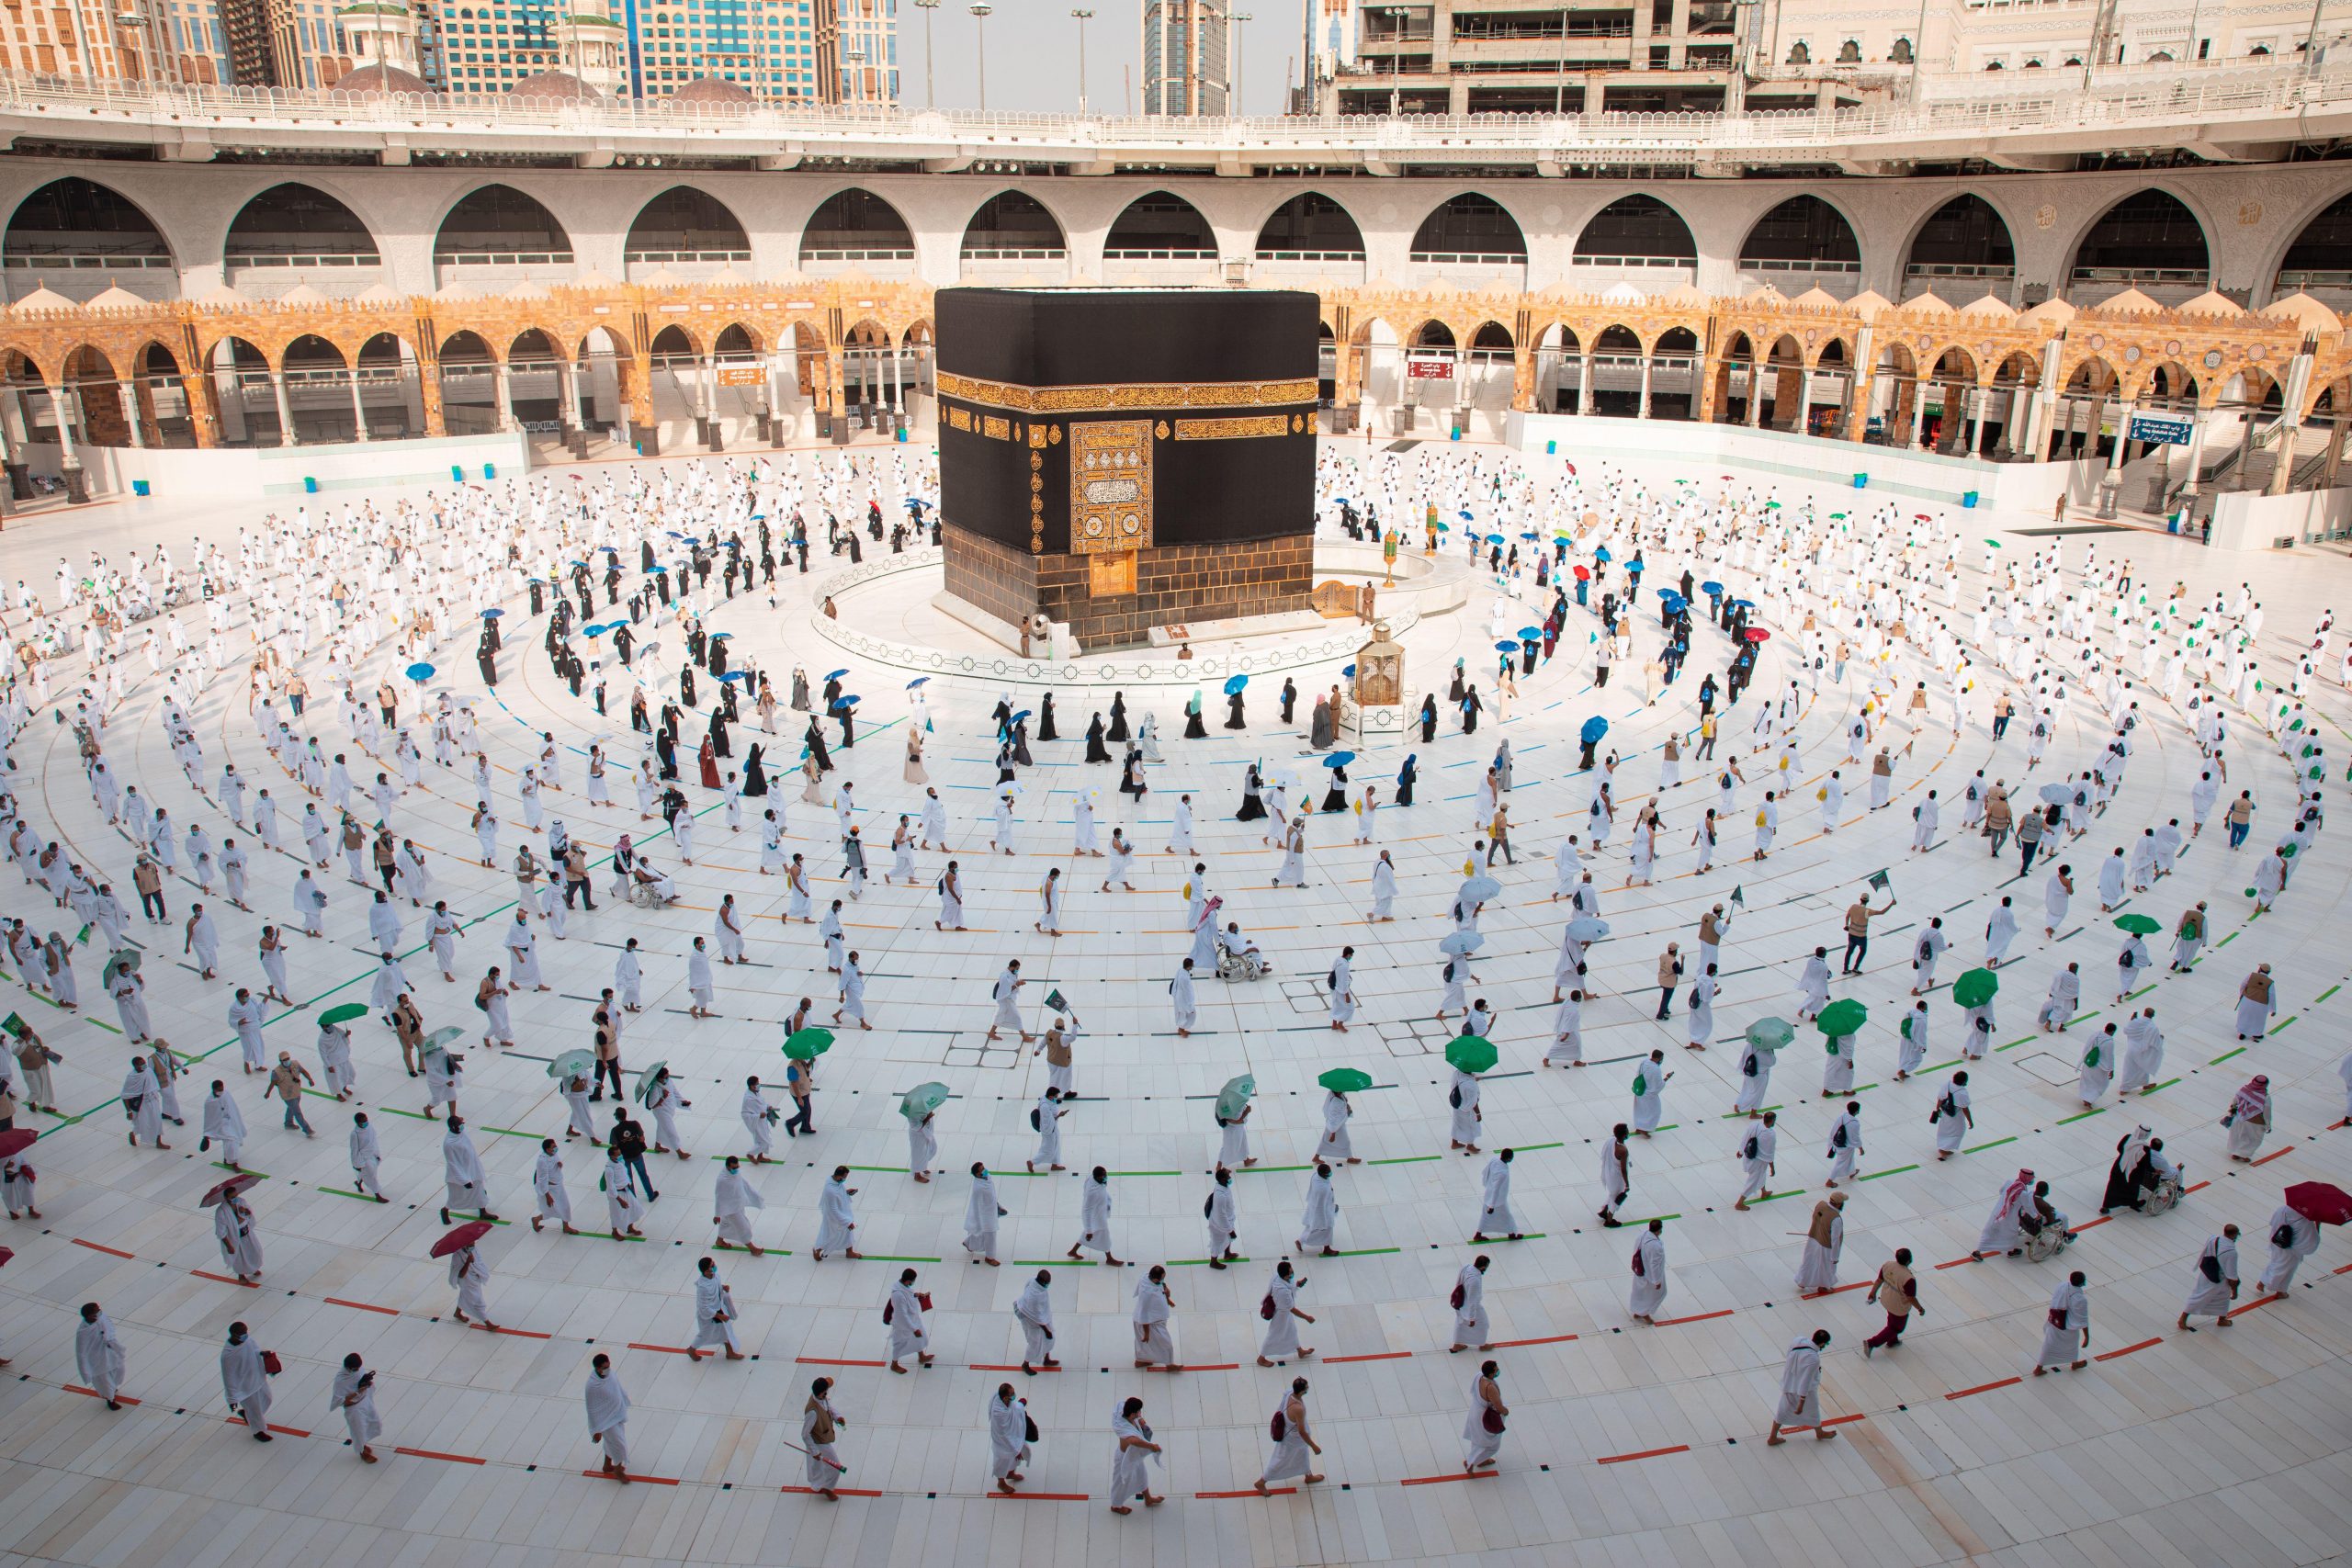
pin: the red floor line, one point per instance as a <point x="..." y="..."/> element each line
<point x="1835" y="1291"/>
<point x="2275" y="1153"/>
<point x="281" y="1431"/>
<point x="360" y="1306"/>
<point x="843" y="1491"/>
<point x="2257" y="1302"/>
<point x="1982" y="1388"/>
<point x="600" y="1475"/>
<point x="665" y="1349"/>
<point x="1542" y="1339"/>
<point x="1833" y="1421"/>
<point x="98" y="1246"/>
<point x="987" y="1367"/>
<point x="2128" y="1349"/>
<point x="1955" y="1263"/>
<point x="522" y="1333"/>
<point x="429" y="1453"/>
<point x="828" y="1361"/>
<point x="1644" y="1453"/>
<point x="2199" y="1187"/>
<point x="120" y="1398"/>
<point x="1283" y="1491"/>
<point x="2087" y="1224"/>
<point x="1377" y="1355"/>
<point x="1694" y="1317"/>
<point x="1047" y="1496"/>
<point x="1457" y="1475"/>
<point x="222" y="1278"/>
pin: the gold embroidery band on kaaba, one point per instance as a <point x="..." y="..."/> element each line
<point x="1135" y="397"/>
<point x="1237" y="428"/>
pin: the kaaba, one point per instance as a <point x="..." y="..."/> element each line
<point x="1125" y="459"/>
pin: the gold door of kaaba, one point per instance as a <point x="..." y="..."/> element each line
<point x="1110" y="496"/>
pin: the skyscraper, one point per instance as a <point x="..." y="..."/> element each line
<point x="1184" y="46"/>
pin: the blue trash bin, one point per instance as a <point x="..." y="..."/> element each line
<point x="139" y="487"/>
<point x="1550" y="449"/>
<point x="1968" y="499"/>
<point x="457" y="474"/>
<point x="310" y="485"/>
<point x="490" y="470"/>
<point x="1861" y="481"/>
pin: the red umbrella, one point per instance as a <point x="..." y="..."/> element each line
<point x="6" y="1253"/>
<point x="1584" y="574"/>
<point x="228" y="1189"/>
<point x="14" y="1140"/>
<point x="2321" y="1202"/>
<point x="1757" y="634"/>
<point x="458" y="1240"/>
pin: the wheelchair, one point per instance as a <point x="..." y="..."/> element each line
<point x="1237" y="964"/>
<point x="648" y="895"/>
<point x="2163" y="1197"/>
<point x="2048" y="1241"/>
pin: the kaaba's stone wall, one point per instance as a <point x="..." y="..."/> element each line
<point x="1175" y="584"/>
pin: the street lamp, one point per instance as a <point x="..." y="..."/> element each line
<point x="854" y="57"/>
<point x="1084" y="16"/>
<point x="1235" y="20"/>
<point x="1398" y="15"/>
<point x="982" y="12"/>
<point x="930" y="99"/>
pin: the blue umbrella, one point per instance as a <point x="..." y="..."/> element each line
<point x="1587" y="928"/>
<point x="1526" y="536"/>
<point x="1465" y="514"/>
<point x="835" y="675"/>
<point x="1338" y="759"/>
<point x="1479" y="890"/>
<point x="1348" y="672"/>
<point x="919" y="681"/>
<point x="1234" y="683"/>
<point x="1463" y="941"/>
<point x="845" y="703"/>
<point x="1601" y="552"/>
<point x="1594" y="728"/>
<point x="735" y="675"/>
<point x="1494" y="538"/>
<point x="720" y="637"/>
<point x="491" y="614"/>
<point x="1016" y="718"/>
<point x="1506" y="648"/>
<point x="1670" y="594"/>
<point x="1531" y="633"/>
<point x="1712" y="590"/>
<point x="1743" y="603"/>
<point x="675" y="534"/>
<point x="420" y="671"/>
<point x="598" y="629"/>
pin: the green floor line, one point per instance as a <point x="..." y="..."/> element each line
<point x="343" y="1192"/>
<point x="886" y="1169"/>
<point x="1270" y="1169"/>
<point x="903" y="1258"/>
<point x="1776" y="1197"/>
<point x="2324" y="995"/>
<point x="2015" y="1043"/>
<point x="1131" y="1172"/>
<point x="1898" y="1170"/>
<point x="412" y="1115"/>
<point x="1056" y="1263"/>
<point x="2283" y="1023"/>
<point x="1978" y="1148"/>
<point x="1531" y="1148"/>
<point x="2083" y="1115"/>
<point x="1523" y="1235"/>
<point x="2166" y="1084"/>
<point x="1630" y="1223"/>
<point x="2226" y="1056"/>
<point x="1940" y="1066"/>
<point x="1413" y="1160"/>
<point x="1193" y="1262"/>
<point x="2225" y="942"/>
<point x="1372" y="1251"/>
<point x="514" y="1132"/>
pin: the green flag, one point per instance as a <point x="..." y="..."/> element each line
<point x="1054" y="1000"/>
<point x="14" y="1025"/>
<point x="1879" y="883"/>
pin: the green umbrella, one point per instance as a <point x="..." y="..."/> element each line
<point x="1842" y="1017"/>
<point x="1770" y="1034"/>
<point x="1235" y="1096"/>
<point x="808" y="1045"/>
<point x="922" y="1101"/>
<point x="2287" y="851"/>
<point x="648" y="1078"/>
<point x="442" y="1039"/>
<point x="1975" y="987"/>
<point x="573" y="1064"/>
<point x="2138" y="925"/>
<point x="1345" y="1081"/>
<point x="1470" y="1053"/>
<point x="345" y="1014"/>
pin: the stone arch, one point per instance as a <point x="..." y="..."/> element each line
<point x="856" y="226"/>
<point x="1471" y="225"/>
<point x="1967" y="237"/>
<point x="686" y="225"/>
<point x="1491" y="340"/>
<point x="496" y="232"/>
<point x="1636" y="229"/>
<point x="76" y="231"/>
<point x="240" y="379"/>
<point x="292" y="233"/>
<point x="467" y="369"/>
<point x="1433" y="334"/>
<point x="736" y="340"/>
<point x="674" y="340"/>
<point x="1160" y="225"/>
<point x="1014" y="225"/>
<point x="2151" y="235"/>
<point x="2316" y="254"/>
<point x="1806" y="234"/>
<point x="1310" y="226"/>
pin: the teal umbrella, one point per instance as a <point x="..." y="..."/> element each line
<point x="922" y="1101"/>
<point x="648" y="1078"/>
<point x="1345" y="1081"/>
<point x="572" y="1064"/>
<point x="808" y="1045"/>
<point x="1770" y="1034"/>
<point x="1235" y="1096"/>
<point x="1842" y="1017"/>
<point x="1472" y="1053"/>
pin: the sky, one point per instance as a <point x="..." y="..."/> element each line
<point x="1033" y="55"/>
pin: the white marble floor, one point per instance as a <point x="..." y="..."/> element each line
<point x="1626" y="1443"/>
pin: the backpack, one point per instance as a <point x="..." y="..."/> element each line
<point x="1455" y="1300"/>
<point x="1035" y="1126"/>
<point x="1279" y="1425"/>
<point x="1331" y="981"/>
<point x="1748" y="1065"/>
<point x="1208" y="1206"/>
<point x="2211" y="1266"/>
<point x="1266" y="1307"/>
<point x="1638" y="1270"/>
<point x="1838" y="1138"/>
<point x="1749" y="1149"/>
<point x="1454" y="1097"/>
<point x="2283" y="1237"/>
